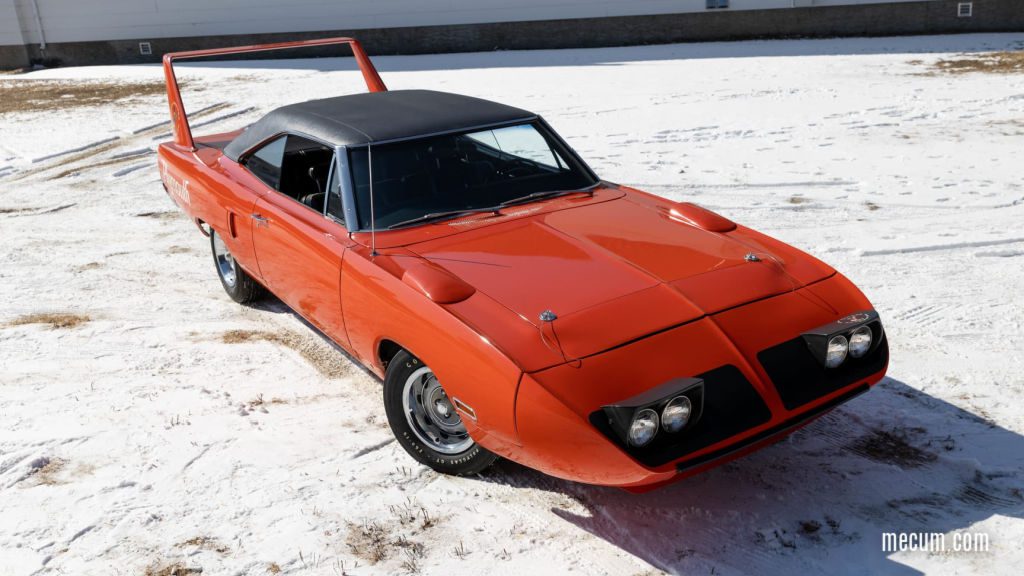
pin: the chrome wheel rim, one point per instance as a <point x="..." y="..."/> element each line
<point x="225" y="262"/>
<point x="431" y="415"/>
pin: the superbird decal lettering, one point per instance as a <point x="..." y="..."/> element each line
<point x="176" y="188"/>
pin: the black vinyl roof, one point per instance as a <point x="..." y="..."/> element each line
<point x="376" y="117"/>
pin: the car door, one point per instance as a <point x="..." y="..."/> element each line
<point x="245" y="185"/>
<point x="298" y="247"/>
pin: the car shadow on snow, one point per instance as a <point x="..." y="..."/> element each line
<point x="893" y="460"/>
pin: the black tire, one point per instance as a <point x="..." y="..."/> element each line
<point x="236" y="282"/>
<point x="472" y="460"/>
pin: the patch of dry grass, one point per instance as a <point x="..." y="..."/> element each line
<point x="54" y="319"/>
<point x="799" y="200"/>
<point x="326" y="360"/>
<point x="47" y="95"/>
<point x="172" y="569"/>
<point x="44" y="470"/>
<point x="205" y="543"/>
<point x="369" y="541"/>
<point x="986" y="62"/>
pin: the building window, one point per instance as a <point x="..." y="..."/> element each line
<point x="963" y="9"/>
<point x="716" y="4"/>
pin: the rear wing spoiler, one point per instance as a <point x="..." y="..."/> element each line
<point x="179" y="119"/>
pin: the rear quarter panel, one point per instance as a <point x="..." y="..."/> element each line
<point x="199" y="184"/>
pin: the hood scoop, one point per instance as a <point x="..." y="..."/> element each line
<point x="702" y="218"/>
<point x="435" y="282"/>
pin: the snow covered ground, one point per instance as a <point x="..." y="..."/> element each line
<point x="171" y="431"/>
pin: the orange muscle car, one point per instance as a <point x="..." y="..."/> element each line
<point x="514" y="303"/>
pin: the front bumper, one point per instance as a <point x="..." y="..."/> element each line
<point x="757" y="389"/>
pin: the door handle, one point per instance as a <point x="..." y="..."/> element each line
<point x="260" y="220"/>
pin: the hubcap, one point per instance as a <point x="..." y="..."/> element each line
<point x="225" y="261"/>
<point x="431" y="415"/>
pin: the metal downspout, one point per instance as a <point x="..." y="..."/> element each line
<point x="39" y="25"/>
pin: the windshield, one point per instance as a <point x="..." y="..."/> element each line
<point x="454" y="172"/>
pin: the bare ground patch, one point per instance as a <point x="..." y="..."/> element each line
<point x="375" y="542"/>
<point x="892" y="448"/>
<point x="162" y="215"/>
<point x="205" y="543"/>
<point x="87" y="267"/>
<point x="172" y="569"/>
<point x="69" y="159"/>
<point x="102" y="164"/>
<point x="36" y="211"/>
<point x="1006" y="62"/>
<point x="47" y="95"/>
<point x="44" y="470"/>
<point x="326" y="360"/>
<point x="54" y="319"/>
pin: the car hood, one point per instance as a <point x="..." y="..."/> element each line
<point x="625" y="263"/>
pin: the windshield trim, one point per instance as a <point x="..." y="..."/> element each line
<point x="461" y="129"/>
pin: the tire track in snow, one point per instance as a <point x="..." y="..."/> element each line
<point x="938" y="247"/>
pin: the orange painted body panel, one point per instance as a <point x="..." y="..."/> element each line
<point x="558" y="405"/>
<point x="299" y="254"/>
<point x="645" y="291"/>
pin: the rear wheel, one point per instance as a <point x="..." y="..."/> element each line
<point x="236" y="282"/>
<point x="425" y="422"/>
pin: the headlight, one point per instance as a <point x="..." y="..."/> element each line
<point x="676" y="414"/>
<point x="860" y="342"/>
<point x="643" y="428"/>
<point x="635" y="423"/>
<point x="853" y="337"/>
<point x="836" y="353"/>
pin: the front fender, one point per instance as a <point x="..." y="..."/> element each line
<point x="379" y="305"/>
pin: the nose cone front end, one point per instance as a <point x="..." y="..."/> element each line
<point x="748" y="374"/>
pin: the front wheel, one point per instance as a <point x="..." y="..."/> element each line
<point x="425" y="422"/>
<point x="236" y="282"/>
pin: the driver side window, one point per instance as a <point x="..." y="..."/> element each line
<point x="265" y="164"/>
<point x="296" y="167"/>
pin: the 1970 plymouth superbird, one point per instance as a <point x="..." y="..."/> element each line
<point x="514" y="303"/>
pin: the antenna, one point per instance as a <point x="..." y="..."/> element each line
<point x="373" y="221"/>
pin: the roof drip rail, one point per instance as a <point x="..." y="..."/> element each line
<point x="179" y="119"/>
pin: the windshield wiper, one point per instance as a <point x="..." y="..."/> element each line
<point x="439" y="216"/>
<point x="536" y="196"/>
<point x="495" y="209"/>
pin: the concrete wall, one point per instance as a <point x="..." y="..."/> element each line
<point x="12" y="44"/>
<point x="95" y="20"/>
<point x="386" y="34"/>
